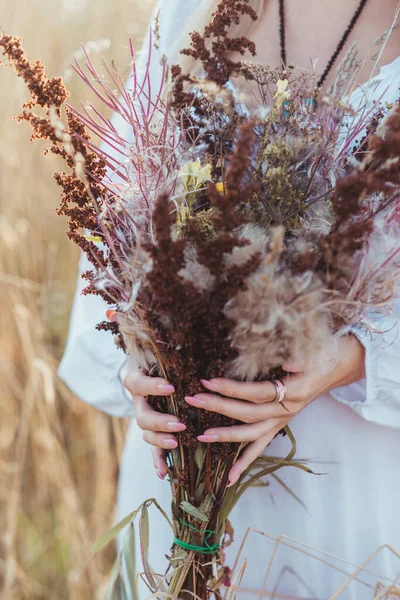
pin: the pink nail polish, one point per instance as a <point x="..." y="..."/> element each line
<point x="166" y="388"/>
<point x="168" y="443"/>
<point x="234" y="480"/>
<point x="210" y="385"/>
<point x="197" y="401"/>
<point x="160" y="475"/>
<point x="175" y="426"/>
<point x="208" y="437"/>
<point x="112" y="315"/>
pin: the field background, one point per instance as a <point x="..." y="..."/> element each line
<point x="58" y="457"/>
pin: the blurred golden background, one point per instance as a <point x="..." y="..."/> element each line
<point x="58" y="457"/>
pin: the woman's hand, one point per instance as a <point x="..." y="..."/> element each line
<point x="253" y="403"/>
<point x="157" y="427"/>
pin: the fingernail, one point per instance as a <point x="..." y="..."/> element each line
<point x="210" y="385"/>
<point x="233" y="481"/>
<point x="208" y="437"/>
<point x="166" y="388"/>
<point x="111" y="315"/>
<point x="175" y="426"/>
<point x="168" y="443"/>
<point x="194" y="400"/>
<point x="160" y="475"/>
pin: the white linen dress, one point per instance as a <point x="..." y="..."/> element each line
<point x="353" y="434"/>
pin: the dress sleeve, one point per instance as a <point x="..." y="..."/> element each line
<point x="91" y="362"/>
<point x="377" y="397"/>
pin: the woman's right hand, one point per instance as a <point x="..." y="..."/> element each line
<point x="157" y="428"/>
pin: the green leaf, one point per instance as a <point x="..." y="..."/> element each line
<point x="112" y="533"/>
<point x="116" y="589"/>
<point x="129" y="554"/>
<point x="144" y="546"/>
<point x="241" y="486"/>
<point x="164" y="514"/>
<point x="180" y="554"/>
<point x="207" y="504"/>
<point x="193" y="511"/>
<point x="292" y="439"/>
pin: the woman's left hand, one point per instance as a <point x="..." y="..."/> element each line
<point x="253" y="403"/>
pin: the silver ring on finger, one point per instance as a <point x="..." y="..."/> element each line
<point x="280" y="389"/>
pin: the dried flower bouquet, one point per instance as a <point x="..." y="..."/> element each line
<point x="227" y="242"/>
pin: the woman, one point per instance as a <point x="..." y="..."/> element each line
<point x="345" y="415"/>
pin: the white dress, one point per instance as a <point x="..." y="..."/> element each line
<point x="353" y="434"/>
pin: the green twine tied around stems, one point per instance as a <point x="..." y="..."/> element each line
<point x="206" y="549"/>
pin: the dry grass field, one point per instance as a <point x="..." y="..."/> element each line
<point x="58" y="457"/>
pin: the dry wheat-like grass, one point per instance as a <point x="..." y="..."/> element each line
<point x="364" y="581"/>
<point x="58" y="457"/>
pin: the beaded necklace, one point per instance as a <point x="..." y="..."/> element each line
<point x="339" y="48"/>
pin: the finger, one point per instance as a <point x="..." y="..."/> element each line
<point x="241" y="410"/>
<point x="149" y="419"/>
<point x="260" y="391"/>
<point x="249" y="455"/>
<point x="161" y="440"/>
<point x="140" y="384"/>
<point x="238" y="433"/>
<point x="112" y="315"/>
<point x="159" y="462"/>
